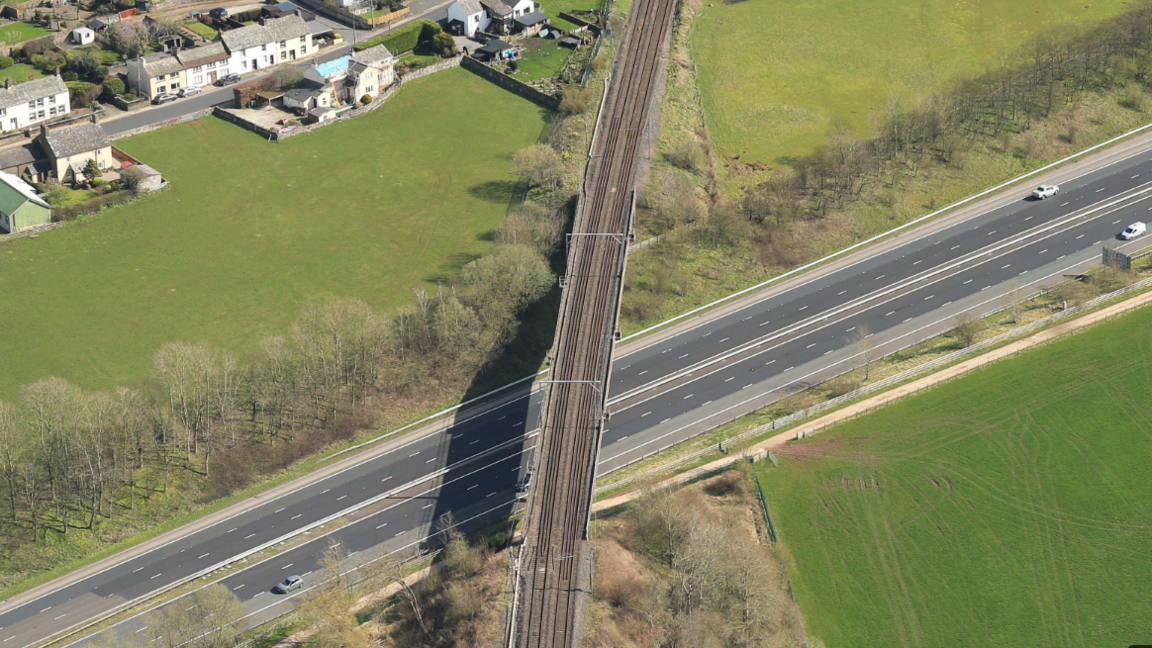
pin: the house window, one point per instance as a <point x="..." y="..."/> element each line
<point x="32" y="104"/>
<point x="283" y="44"/>
<point x="263" y="48"/>
<point x="40" y="115"/>
<point x="52" y="99"/>
<point x="3" y="111"/>
<point x="212" y="65"/>
<point x="302" y="39"/>
<point x="199" y="80"/>
<point x="198" y="68"/>
<point x="175" y="85"/>
<point x="40" y="102"/>
<point x="161" y="88"/>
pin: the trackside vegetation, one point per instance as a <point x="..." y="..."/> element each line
<point x="1007" y="507"/>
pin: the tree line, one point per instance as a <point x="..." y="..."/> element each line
<point x="71" y="457"/>
<point x="1049" y="74"/>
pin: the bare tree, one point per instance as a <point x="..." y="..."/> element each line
<point x="539" y="165"/>
<point x="968" y="328"/>
<point x="206" y="618"/>
<point x="865" y="348"/>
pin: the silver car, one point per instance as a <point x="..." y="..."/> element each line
<point x="288" y="584"/>
<point x="1045" y="191"/>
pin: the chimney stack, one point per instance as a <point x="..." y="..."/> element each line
<point x="44" y="129"/>
<point x="57" y="70"/>
<point x="94" y="118"/>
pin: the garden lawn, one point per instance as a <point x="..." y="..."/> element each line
<point x="202" y="29"/>
<point x="778" y="75"/>
<point x="18" y="32"/>
<point x="20" y="73"/>
<point x="250" y="231"/>
<point x="541" y="58"/>
<point x="552" y="9"/>
<point x="1010" y="507"/>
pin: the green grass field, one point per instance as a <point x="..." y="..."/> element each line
<point x="19" y="32"/>
<point x="776" y="75"/>
<point x="250" y="231"/>
<point x="1010" y="507"/>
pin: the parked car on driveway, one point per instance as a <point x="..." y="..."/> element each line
<point x="1132" y="231"/>
<point x="164" y="98"/>
<point x="219" y="12"/>
<point x="227" y="79"/>
<point x="191" y="91"/>
<point x="288" y="584"/>
<point x="1045" y="191"/>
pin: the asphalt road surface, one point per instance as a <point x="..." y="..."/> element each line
<point x="662" y="393"/>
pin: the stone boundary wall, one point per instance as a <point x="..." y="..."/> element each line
<point x="592" y="27"/>
<point x="164" y="124"/>
<point x="515" y="86"/>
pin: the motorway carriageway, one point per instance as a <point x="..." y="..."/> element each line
<point x="739" y="361"/>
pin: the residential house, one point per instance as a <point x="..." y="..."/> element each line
<point x="28" y="161"/>
<point x="276" y="40"/>
<point x="20" y="207"/>
<point x="369" y="72"/>
<point x="291" y="37"/>
<point x="307" y="95"/>
<point x="70" y="148"/>
<point x="31" y="102"/>
<point x="204" y="64"/>
<point x="466" y="17"/>
<point x="156" y="74"/>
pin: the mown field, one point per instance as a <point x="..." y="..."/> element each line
<point x="777" y="76"/>
<point x="250" y="231"/>
<point x="1012" y="507"/>
<point x="18" y="32"/>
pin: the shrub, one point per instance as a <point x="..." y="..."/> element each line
<point x="442" y="42"/>
<point x="687" y="155"/>
<point x="365" y="100"/>
<point x="6" y="62"/>
<point x="575" y="101"/>
<point x="113" y="87"/>
<point x="81" y="92"/>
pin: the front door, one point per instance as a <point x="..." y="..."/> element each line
<point x="292" y="55"/>
<point x="211" y="77"/>
<point x="255" y="65"/>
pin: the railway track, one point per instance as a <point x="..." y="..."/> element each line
<point x="554" y="569"/>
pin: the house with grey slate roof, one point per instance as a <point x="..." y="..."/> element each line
<point x="70" y="148"/>
<point x="32" y="102"/>
<point x="238" y="51"/>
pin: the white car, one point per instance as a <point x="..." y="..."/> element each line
<point x="190" y="91"/>
<point x="1045" y="191"/>
<point x="1132" y="231"/>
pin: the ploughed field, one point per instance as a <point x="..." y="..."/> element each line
<point x="250" y="231"/>
<point x="1011" y="507"/>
